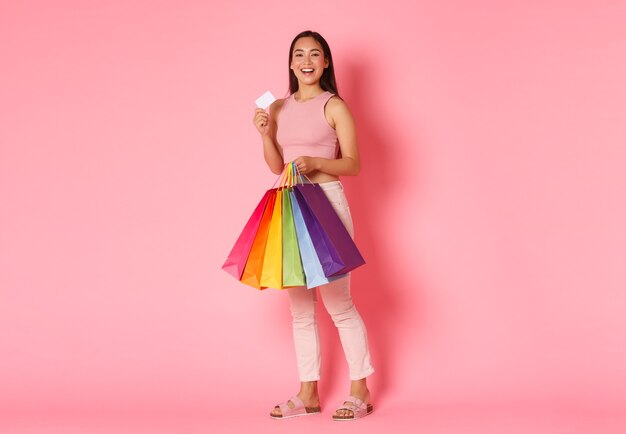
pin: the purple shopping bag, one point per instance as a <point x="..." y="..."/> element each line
<point x="335" y="247"/>
<point x="311" y="264"/>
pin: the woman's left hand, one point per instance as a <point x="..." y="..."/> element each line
<point x="306" y="164"/>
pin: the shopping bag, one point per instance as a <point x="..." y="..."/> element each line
<point x="294" y="237"/>
<point x="311" y="264"/>
<point x="254" y="265"/>
<point x="236" y="261"/>
<point x="272" y="272"/>
<point x="335" y="247"/>
<point x="293" y="273"/>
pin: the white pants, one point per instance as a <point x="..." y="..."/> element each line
<point x="338" y="302"/>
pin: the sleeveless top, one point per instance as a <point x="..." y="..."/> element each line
<point x="304" y="131"/>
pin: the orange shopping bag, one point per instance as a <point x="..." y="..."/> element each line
<point x="254" y="265"/>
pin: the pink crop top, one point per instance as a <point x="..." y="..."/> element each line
<point x="304" y="131"/>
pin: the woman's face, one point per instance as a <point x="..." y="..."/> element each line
<point x="308" y="61"/>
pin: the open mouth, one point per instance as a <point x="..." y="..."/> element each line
<point x="307" y="71"/>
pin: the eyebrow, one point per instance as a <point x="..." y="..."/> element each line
<point x="300" y="49"/>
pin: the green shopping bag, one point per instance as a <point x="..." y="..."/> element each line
<point x="293" y="274"/>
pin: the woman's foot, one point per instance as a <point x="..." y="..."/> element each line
<point x="308" y="394"/>
<point x="358" y="389"/>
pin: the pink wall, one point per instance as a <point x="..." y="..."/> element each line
<point x="490" y="205"/>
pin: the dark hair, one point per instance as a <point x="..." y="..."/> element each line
<point x="327" y="81"/>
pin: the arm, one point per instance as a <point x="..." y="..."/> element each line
<point x="267" y="127"/>
<point x="349" y="164"/>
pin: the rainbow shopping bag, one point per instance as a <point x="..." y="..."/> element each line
<point x="293" y="238"/>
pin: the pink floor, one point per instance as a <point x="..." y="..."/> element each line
<point x="388" y="418"/>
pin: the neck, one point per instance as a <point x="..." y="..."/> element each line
<point x="309" y="91"/>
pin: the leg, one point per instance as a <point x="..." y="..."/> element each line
<point x="338" y="302"/>
<point x="302" y="304"/>
<point x="353" y="334"/>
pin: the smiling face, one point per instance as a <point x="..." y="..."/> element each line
<point x="308" y="61"/>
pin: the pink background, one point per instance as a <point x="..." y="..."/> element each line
<point x="490" y="209"/>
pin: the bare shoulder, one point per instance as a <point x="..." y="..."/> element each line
<point x="275" y="107"/>
<point x="335" y="104"/>
<point x="337" y="110"/>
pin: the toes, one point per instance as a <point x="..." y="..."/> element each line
<point x="344" y="413"/>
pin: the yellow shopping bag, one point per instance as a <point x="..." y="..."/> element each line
<point x="272" y="273"/>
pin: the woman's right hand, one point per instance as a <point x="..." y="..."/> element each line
<point x="262" y="121"/>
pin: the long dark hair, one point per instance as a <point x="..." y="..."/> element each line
<point x="327" y="81"/>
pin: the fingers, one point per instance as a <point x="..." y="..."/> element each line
<point x="299" y="164"/>
<point x="261" y="118"/>
<point x="302" y="165"/>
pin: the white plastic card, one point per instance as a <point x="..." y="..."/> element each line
<point x="265" y="100"/>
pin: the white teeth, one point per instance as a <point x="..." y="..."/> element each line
<point x="307" y="70"/>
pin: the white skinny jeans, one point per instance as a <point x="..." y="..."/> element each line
<point x="338" y="302"/>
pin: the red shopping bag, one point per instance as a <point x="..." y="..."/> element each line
<point x="236" y="261"/>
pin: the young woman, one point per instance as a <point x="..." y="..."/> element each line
<point x="314" y="128"/>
